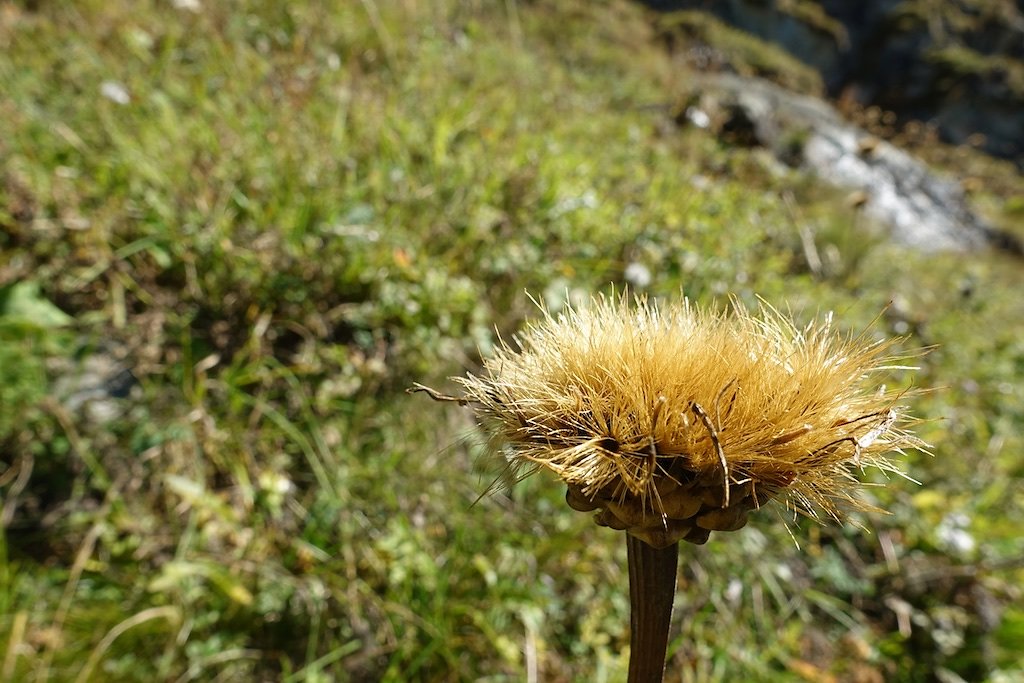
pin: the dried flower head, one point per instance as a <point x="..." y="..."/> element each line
<point x="674" y="422"/>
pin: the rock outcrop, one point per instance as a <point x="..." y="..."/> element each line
<point x="956" y="64"/>
<point x="919" y="207"/>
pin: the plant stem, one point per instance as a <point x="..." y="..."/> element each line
<point x="652" y="590"/>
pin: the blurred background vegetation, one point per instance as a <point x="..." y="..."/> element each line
<point x="232" y="234"/>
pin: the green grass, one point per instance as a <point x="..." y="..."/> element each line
<point x="301" y="211"/>
<point x="749" y="55"/>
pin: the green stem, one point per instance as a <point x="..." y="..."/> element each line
<point x="652" y="589"/>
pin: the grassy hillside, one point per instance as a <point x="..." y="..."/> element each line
<point x="278" y="216"/>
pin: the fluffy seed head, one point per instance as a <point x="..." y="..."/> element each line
<point x="671" y="422"/>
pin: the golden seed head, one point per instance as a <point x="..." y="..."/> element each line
<point x="671" y="422"/>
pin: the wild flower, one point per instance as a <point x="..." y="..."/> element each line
<point x="672" y="422"/>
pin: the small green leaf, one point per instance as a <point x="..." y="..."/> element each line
<point x="21" y="303"/>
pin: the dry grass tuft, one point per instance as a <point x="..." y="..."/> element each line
<point x="673" y="422"/>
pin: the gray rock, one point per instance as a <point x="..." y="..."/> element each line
<point x="920" y="208"/>
<point x="956" y="65"/>
<point x="95" y="387"/>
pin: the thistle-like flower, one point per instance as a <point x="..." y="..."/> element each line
<point x="672" y="422"/>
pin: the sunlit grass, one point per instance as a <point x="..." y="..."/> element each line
<point x="298" y="212"/>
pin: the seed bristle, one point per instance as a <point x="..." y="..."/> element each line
<point x="643" y="400"/>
